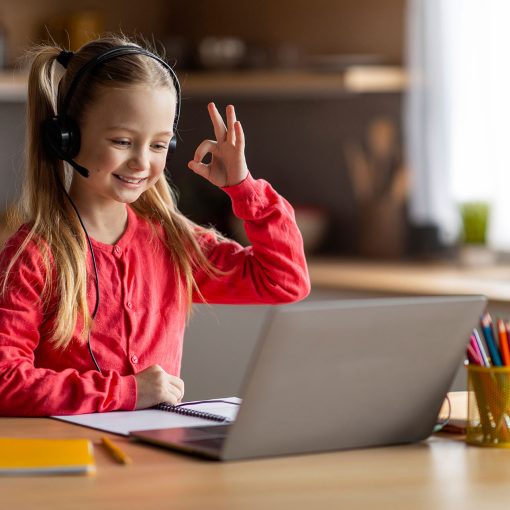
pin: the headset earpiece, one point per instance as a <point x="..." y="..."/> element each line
<point x="62" y="140"/>
<point x="172" y="145"/>
<point x="62" y="137"/>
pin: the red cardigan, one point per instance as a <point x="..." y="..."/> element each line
<point x="140" y="321"/>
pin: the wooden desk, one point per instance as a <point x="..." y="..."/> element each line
<point x="440" y="473"/>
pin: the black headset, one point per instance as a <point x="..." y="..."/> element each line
<point x="61" y="133"/>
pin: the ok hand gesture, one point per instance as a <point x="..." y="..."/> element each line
<point x="228" y="164"/>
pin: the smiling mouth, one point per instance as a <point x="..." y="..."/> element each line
<point x="129" y="180"/>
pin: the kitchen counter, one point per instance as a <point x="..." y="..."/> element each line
<point x="298" y="83"/>
<point x="411" y="278"/>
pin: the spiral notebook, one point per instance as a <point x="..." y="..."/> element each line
<point x="188" y="414"/>
<point x="187" y="409"/>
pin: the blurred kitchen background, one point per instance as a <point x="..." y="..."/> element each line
<point x="373" y="117"/>
<point x="384" y="122"/>
<point x="318" y="88"/>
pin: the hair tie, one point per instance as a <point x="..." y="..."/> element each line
<point x="64" y="57"/>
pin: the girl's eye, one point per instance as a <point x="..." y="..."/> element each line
<point x="160" y="146"/>
<point x="122" y="143"/>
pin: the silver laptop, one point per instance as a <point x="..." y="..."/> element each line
<point x="334" y="375"/>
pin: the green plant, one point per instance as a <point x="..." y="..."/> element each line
<point x="475" y="217"/>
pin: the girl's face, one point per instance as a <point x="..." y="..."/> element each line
<point x="124" y="143"/>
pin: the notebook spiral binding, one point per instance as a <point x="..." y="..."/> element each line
<point x="191" y="412"/>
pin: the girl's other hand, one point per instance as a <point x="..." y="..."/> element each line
<point x="154" y="385"/>
<point x="228" y="164"/>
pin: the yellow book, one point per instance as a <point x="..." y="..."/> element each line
<point x="46" y="456"/>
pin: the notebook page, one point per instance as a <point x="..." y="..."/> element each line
<point x="123" y="422"/>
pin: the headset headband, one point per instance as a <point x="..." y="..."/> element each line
<point x="118" y="52"/>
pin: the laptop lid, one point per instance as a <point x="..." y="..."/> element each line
<point x="347" y="374"/>
<point x="334" y="375"/>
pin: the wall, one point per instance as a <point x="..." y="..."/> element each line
<point x="24" y="21"/>
<point x="296" y="144"/>
<point x="12" y="147"/>
<point x="322" y="26"/>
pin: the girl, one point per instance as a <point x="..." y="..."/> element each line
<point x="92" y="323"/>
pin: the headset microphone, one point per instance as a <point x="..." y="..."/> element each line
<point x="80" y="169"/>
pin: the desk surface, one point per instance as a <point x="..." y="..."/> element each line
<point x="439" y="473"/>
<point x="412" y="278"/>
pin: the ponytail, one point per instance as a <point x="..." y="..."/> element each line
<point x="53" y="226"/>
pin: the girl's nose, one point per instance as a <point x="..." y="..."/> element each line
<point x="139" y="161"/>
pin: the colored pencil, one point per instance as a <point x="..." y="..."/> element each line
<point x="481" y="348"/>
<point x="503" y="343"/>
<point x="472" y="356"/>
<point x="472" y="342"/>
<point x="115" y="451"/>
<point x="488" y="334"/>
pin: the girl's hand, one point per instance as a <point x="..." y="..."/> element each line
<point x="228" y="164"/>
<point x="154" y="385"/>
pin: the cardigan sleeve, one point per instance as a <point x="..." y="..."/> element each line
<point x="273" y="269"/>
<point x="30" y="390"/>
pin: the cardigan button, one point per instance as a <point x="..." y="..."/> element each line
<point x="117" y="250"/>
<point x="129" y="305"/>
<point x="134" y="359"/>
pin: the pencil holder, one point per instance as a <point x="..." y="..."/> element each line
<point x="488" y="406"/>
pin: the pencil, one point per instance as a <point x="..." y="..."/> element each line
<point x="503" y="343"/>
<point x="481" y="348"/>
<point x="473" y="356"/>
<point x="490" y="341"/>
<point x="115" y="451"/>
<point x="472" y="342"/>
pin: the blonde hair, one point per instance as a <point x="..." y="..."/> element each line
<point x="53" y="224"/>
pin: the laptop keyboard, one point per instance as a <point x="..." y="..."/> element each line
<point x="210" y="437"/>
<point x="215" y="443"/>
<point x="214" y="430"/>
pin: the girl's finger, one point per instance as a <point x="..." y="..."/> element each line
<point x="171" y="398"/>
<point x="176" y="392"/>
<point x="239" y="136"/>
<point x="202" y="169"/>
<point x="205" y="147"/>
<point x="220" y="130"/>
<point x="231" y="120"/>
<point x="178" y="383"/>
